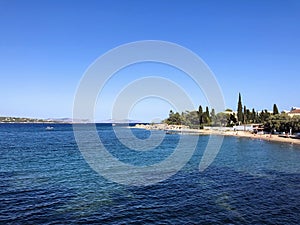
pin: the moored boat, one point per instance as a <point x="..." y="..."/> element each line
<point x="295" y="136"/>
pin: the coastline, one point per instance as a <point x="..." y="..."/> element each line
<point x="265" y="137"/>
<point x="243" y="134"/>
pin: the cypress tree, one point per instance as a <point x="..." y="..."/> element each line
<point x="206" y="116"/>
<point x="240" y="109"/>
<point x="207" y="112"/>
<point x="253" y="117"/>
<point x="275" y="110"/>
<point x="245" y="114"/>
<point x="213" y="115"/>
<point x="200" y="114"/>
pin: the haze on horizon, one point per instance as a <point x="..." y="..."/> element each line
<point x="252" y="47"/>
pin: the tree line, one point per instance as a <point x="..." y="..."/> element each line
<point x="271" y="121"/>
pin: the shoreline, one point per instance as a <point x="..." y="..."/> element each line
<point x="242" y="134"/>
<point x="265" y="137"/>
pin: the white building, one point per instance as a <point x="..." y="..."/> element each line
<point x="249" y="127"/>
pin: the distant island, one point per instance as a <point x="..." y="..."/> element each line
<point x="7" y="119"/>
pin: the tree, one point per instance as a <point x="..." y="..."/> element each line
<point x="200" y="115"/>
<point x="207" y="112"/>
<point x="240" y="109"/>
<point x="245" y="115"/>
<point x="231" y="120"/>
<point x="282" y="123"/>
<point x="190" y="119"/>
<point x="171" y="113"/>
<point x="213" y="116"/>
<point x="275" y="110"/>
<point x="206" y="117"/>
<point x="248" y="115"/>
<point x="213" y="113"/>
<point x="174" y="118"/>
<point x="263" y="116"/>
<point x="221" y="119"/>
<point x="253" y="116"/>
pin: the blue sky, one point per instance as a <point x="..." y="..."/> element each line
<point x="252" y="47"/>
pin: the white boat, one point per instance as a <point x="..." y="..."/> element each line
<point x="49" y="128"/>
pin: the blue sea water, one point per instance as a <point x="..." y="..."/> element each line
<point x="44" y="179"/>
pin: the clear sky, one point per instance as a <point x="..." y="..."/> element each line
<point x="253" y="47"/>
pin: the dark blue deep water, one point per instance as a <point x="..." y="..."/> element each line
<point x="44" y="179"/>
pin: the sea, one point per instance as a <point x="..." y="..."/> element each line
<point x="45" y="179"/>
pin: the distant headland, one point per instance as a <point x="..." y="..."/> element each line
<point x="8" y="119"/>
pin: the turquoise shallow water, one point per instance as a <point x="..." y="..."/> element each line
<point x="45" y="180"/>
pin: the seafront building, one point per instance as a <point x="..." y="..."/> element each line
<point x="256" y="127"/>
<point x="295" y="111"/>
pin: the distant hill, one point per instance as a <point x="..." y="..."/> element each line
<point x="119" y="121"/>
<point x="8" y="119"/>
<point x="5" y="119"/>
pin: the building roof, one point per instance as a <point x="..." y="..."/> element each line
<point x="295" y="111"/>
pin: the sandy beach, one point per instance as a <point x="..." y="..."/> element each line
<point x="242" y="134"/>
<point x="266" y="137"/>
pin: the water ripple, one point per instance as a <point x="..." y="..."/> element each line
<point x="45" y="180"/>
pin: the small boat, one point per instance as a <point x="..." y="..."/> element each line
<point x="169" y="132"/>
<point x="172" y="132"/>
<point x="295" y="136"/>
<point x="284" y="136"/>
<point x="49" y="128"/>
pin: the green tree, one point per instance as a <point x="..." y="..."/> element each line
<point x="207" y="111"/>
<point x="213" y="113"/>
<point x="240" y="115"/>
<point x="253" y="116"/>
<point x="245" y="114"/>
<point x="231" y="121"/>
<point x="282" y="123"/>
<point x="174" y="118"/>
<point x="221" y="119"/>
<point x="171" y="113"/>
<point x="200" y="115"/>
<point x="263" y="116"/>
<point x="213" y="116"/>
<point x="190" y="119"/>
<point x="206" y="116"/>
<point x="248" y="116"/>
<point x="275" y="110"/>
